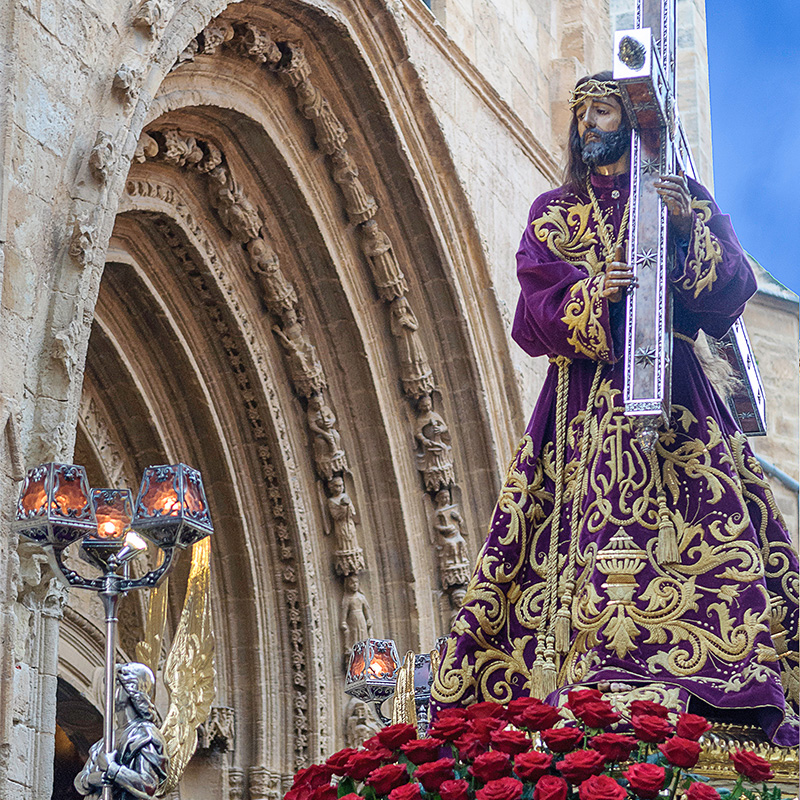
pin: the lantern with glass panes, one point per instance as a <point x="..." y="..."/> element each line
<point x="56" y="509"/>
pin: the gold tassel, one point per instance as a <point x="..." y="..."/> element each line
<point x="537" y="673"/>
<point x="667" y="546"/>
<point x="550" y="669"/>
<point x="562" y="628"/>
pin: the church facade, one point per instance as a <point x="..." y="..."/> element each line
<point x="275" y="241"/>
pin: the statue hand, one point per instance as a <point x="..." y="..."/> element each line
<point x="674" y="191"/>
<point x="619" y="276"/>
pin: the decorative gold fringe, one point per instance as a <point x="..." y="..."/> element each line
<point x="550" y="668"/>
<point x="403" y="708"/>
<point x="562" y="626"/>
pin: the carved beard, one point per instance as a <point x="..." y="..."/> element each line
<point x="610" y="148"/>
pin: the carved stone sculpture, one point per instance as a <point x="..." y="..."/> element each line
<point x="454" y="564"/>
<point x="278" y="294"/>
<point x="147" y="147"/>
<point x="330" y="134"/>
<point x="237" y="213"/>
<point x="150" y="17"/>
<point x="386" y="273"/>
<point x="434" y="453"/>
<point x="127" y="81"/>
<point x="215" y="35"/>
<point x="218" y="731"/>
<point x="360" y="723"/>
<point x="360" y="205"/>
<point x="415" y="371"/>
<point x="235" y="784"/>
<point x="356" y="622"/>
<point x="304" y="367"/>
<point x="83" y="242"/>
<point x="255" y="44"/>
<point x="142" y="766"/>
<point x="349" y="557"/>
<point x="329" y="457"/>
<point x="456" y="595"/>
<point x="103" y="157"/>
<point x="187" y="54"/>
<point x="263" y="784"/>
<point x="180" y="150"/>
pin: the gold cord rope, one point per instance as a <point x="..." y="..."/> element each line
<point x="603" y="226"/>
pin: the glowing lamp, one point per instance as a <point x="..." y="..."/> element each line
<point x="171" y="509"/>
<point x="113" y="509"/>
<point x="372" y="673"/>
<point x="54" y="506"/>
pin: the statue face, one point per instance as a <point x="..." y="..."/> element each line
<point x="605" y="138"/>
<point x="604" y="113"/>
<point x="336" y="485"/>
<point x="442" y="497"/>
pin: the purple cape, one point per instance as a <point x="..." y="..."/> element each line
<point x="719" y="623"/>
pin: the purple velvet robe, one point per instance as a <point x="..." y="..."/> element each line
<point x="721" y="624"/>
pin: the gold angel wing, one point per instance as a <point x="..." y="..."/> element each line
<point x="403" y="707"/>
<point x="189" y="670"/>
<point x="149" y="651"/>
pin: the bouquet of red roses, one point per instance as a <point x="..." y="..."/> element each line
<point x="529" y="750"/>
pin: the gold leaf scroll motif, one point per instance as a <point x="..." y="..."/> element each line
<point x="583" y="315"/>
<point x="705" y="252"/>
<point x="189" y="670"/>
<point x="567" y="233"/>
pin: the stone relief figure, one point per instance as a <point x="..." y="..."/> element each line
<point x="415" y="371"/>
<point x="278" y="293"/>
<point x="254" y="43"/>
<point x="457" y="594"/>
<point x="360" y="723"/>
<point x="377" y="247"/>
<point x="215" y="35"/>
<point x="304" y="367"/>
<point x="356" y="621"/>
<point x="103" y="157"/>
<point x="434" y="453"/>
<point x="138" y="767"/>
<point x="330" y="134"/>
<point x="237" y="213"/>
<point x="349" y="557"/>
<point x="180" y="150"/>
<point x="329" y="456"/>
<point x="454" y="565"/>
<point x="360" y="205"/>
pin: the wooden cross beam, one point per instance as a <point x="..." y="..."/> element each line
<point x="644" y="67"/>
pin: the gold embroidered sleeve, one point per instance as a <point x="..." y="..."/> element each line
<point x="705" y="252"/>
<point x="583" y="316"/>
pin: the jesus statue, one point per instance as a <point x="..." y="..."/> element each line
<point x="608" y="562"/>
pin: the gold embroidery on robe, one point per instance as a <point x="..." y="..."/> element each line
<point x="566" y="231"/>
<point x="705" y="252"/>
<point x="583" y="314"/>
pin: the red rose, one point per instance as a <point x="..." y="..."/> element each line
<point x="648" y="708"/>
<point x="576" y="700"/>
<point x="683" y="753"/>
<point x="396" y="735"/>
<point x="501" y="789"/>
<point x="313" y="776"/>
<point x="298" y="793"/>
<point x="470" y="746"/>
<point x="561" y="740"/>
<point x="487" y="709"/>
<point x="433" y="774"/>
<point x="421" y="751"/>
<point x="613" y="747"/>
<point x="327" y="792"/>
<point x="597" y="714"/>
<point x="351" y="796"/>
<point x="550" y="787"/>
<point x="511" y="742"/>
<point x="651" y="729"/>
<point x="577" y="766"/>
<point x="338" y="761"/>
<point x="531" y="766"/>
<point x="451" y="713"/>
<point x="454" y="790"/>
<point x="537" y="718"/>
<point x="516" y="707"/>
<point x="384" y="779"/>
<point x="647" y="780"/>
<point x="701" y="791"/>
<point x="362" y="762"/>
<point x="601" y="787"/>
<point x="692" y="726"/>
<point x="490" y="766"/>
<point x="408" y="791"/>
<point x="753" y="767"/>
<point x="449" y="727"/>
<point x="484" y="728"/>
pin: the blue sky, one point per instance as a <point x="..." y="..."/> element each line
<point x="754" y="71"/>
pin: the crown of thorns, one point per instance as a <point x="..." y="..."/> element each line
<point x="592" y="89"/>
